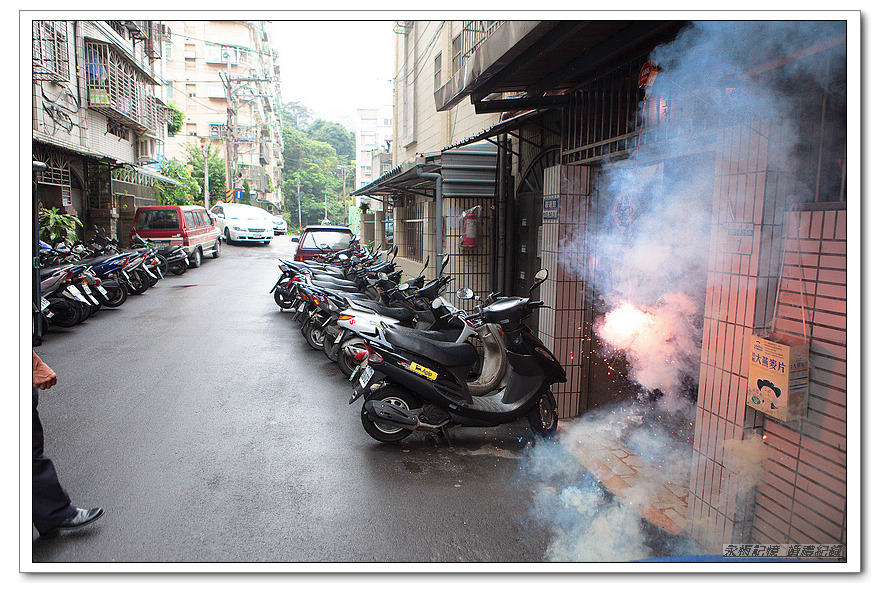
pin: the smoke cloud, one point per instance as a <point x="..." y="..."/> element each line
<point x="649" y="258"/>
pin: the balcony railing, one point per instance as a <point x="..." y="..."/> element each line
<point x="119" y="90"/>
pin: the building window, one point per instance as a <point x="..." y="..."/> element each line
<point x="411" y="222"/>
<point x="456" y="53"/>
<point x="438" y="71"/>
<point x="119" y="90"/>
<point x="50" y="57"/>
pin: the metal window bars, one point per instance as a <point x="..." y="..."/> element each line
<point x="118" y="90"/>
<point x="50" y="57"/>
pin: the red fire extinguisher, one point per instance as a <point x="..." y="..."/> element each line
<point x="470" y="226"/>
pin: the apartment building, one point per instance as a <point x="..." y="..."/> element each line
<point x="428" y="53"/>
<point x="224" y="77"/>
<point x="98" y="118"/>
<point x="687" y="171"/>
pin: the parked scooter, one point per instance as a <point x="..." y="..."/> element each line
<point x="412" y="383"/>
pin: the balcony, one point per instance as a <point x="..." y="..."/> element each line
<point x="120" y="90"/>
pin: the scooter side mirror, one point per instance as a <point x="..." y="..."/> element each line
<point x="383" y="276"/>
<point x="443" y="263"/>
<point x="404" y="286"/>
<point x="540" y="276"/>
<point x="437" y="303"/>
<point x="465" y="294"/>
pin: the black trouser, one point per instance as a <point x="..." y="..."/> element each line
<point x="51" y="502"/>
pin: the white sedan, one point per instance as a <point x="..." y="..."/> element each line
<point x="241" y="222"/>
<point x="280" y="225"/>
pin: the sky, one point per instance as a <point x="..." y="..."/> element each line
<point x="335" y="67"/>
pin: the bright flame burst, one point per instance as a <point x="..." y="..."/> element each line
<point x="624" y="324"/>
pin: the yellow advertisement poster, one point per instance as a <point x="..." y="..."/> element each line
<point x="779" y="378"/>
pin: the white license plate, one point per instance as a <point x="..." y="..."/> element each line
<point x="102" y="290"/>
<point x="86" y="289"/>
<point x="73" y="293"/>
<point x="365" y="376"/>
<point x="338" y="337"/>
<point x="302" y="306"/>
<point x="43" y="303"/>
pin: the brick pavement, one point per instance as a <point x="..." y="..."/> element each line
<point x="659" y="497"/>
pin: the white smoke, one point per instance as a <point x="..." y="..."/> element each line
<point x="589" y="523"/>
<point x="649" y="261"/>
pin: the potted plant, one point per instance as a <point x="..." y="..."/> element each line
<point x="56" y="225"/>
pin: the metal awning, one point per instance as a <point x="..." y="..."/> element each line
<point x="506" y="126"/>
<point x="467" y="170"/>
<point x="539" y="61"/>
<point x="403" y="178"/>
<point x="156" y="175"/>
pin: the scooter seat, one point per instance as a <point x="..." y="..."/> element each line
<point x="449" y="354"/>
<point x="333" y="280"/>
<point x="333" y="287"/>
<point x="399" y="313"/>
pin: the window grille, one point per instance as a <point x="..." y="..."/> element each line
<point x="412" y="224"/>
<point x="119" y="90"/>
<point x="57" y="172"/>
<point x="217" y="130"/>
<point x="473" y="34"/>
<point x="50" y="55"/>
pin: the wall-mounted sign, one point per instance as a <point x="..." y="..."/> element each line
<point x="779" y="378"/>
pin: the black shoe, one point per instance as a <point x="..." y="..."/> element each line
<point x="80" y="518"/>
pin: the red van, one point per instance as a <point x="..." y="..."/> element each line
<point x="190" y="226"/>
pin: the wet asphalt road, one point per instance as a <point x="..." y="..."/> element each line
<point x="199" y="418"/>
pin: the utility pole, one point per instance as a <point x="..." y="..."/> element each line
<point x="232" y="120"/>
<point x="344" y="199"/>
<point x="205" y="152"/>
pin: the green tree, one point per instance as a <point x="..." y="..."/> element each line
<point x="188" y="192"/>
<point x="335" y="135"/>
<point x="216" y="171"/>
<point x="296" y="115"/>
<point x="176" y="121"/>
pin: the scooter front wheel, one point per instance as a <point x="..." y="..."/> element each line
<point x="283" y="300"/>
<point x="388" y="433"/>
<point x="544" y="417"/>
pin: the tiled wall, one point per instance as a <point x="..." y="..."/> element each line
<point x="803" y="498"/>
<point x="562" y="326"/>
<point x="798" y="496"/>
<point x="746" y="225"/>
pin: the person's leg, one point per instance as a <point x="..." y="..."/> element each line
<point x="51" y="504"/>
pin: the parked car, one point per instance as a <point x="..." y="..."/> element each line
<point x="241" y="222"/>
<point x="316" y="240"/>
<point x="189" y="226"/>
<point x="280" y="225"/>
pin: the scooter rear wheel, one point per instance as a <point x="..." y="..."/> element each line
<point x="314" y="335"/>
<point x="388" y="433"/>
<point x="345" y="358"/>
<point x="544" y="417"/>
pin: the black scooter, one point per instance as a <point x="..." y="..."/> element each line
<point x="410" y="382"/>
